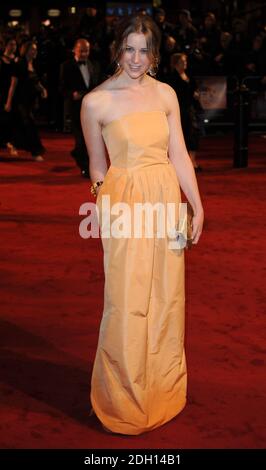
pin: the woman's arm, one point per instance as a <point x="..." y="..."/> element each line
<point x="42" y="90"/>
<point x="93" y="136"/>
<point x="11" y="91"/>
<point x="180" y="158"/>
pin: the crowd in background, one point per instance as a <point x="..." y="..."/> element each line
<point x="39" y="68"/>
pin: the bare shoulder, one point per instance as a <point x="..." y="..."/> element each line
<point x="166" y="90"/>
<point x="93" y="99"/>
<point x="97" y="95"/>
<point x="96" y="101"/>
<point x="168" y="95"/>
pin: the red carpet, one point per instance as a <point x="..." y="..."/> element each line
<point x="51" y="303"/>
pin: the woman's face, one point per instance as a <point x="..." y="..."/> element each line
<point x="32" y="52"/>
<point x="209" y="22"/>
<point x="135" y="60"/>
<point x="183" y="62"/>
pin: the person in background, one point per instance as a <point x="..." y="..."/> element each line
<point x="7" y="61"/>
<point x="223" y="59"/>
<point x="185" y="32"/>
<point x="188" y="97"/>
<point x="169" y="47"/>
<point x="24" y="90"/>
<point x="168" y="42"/>
<point x="77" y="78"/>
<point x="210" y="34"/>
<point x="255" y="58"/>
<point x="166" y="28"/>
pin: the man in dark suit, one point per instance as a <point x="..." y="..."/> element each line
<point x="77" y="77"/>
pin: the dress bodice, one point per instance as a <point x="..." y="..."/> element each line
<point x="137" y="139"/>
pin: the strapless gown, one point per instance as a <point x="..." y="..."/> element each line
<point x="139" y="375"/>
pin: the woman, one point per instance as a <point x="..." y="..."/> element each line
<point x="24" y="90"/>
<point x="188" y="98"/>
<point x="139" y="374"/>
<point x="7" y="61"/>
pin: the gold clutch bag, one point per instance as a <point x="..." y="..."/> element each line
<point x="185" y="227"/>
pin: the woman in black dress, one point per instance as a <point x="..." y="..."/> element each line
<point x="185" y="88"/>
<point x="24" y="90"/>
<point x="7" y="61"/>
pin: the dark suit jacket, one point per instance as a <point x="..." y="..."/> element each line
<point x="71" y="78"/>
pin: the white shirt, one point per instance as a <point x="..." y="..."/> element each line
<point x="85" y="74"/>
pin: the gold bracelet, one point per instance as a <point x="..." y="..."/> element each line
<point x="94" y="186"/>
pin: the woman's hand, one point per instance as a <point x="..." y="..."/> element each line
<point x="197" y="225"/>
<point x="8" y="107"/>
<point x="44" y="93"/>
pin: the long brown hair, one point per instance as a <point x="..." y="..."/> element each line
<point x="25" y="47"/>
<point x="137" y="24"/>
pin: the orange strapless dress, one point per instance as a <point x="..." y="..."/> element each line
<point x="139" y="376"/>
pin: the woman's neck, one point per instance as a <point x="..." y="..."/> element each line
<point x="128" y="82"/>
<point x="180" y="70"/>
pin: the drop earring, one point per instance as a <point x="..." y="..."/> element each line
<point x="153" y="69"/>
